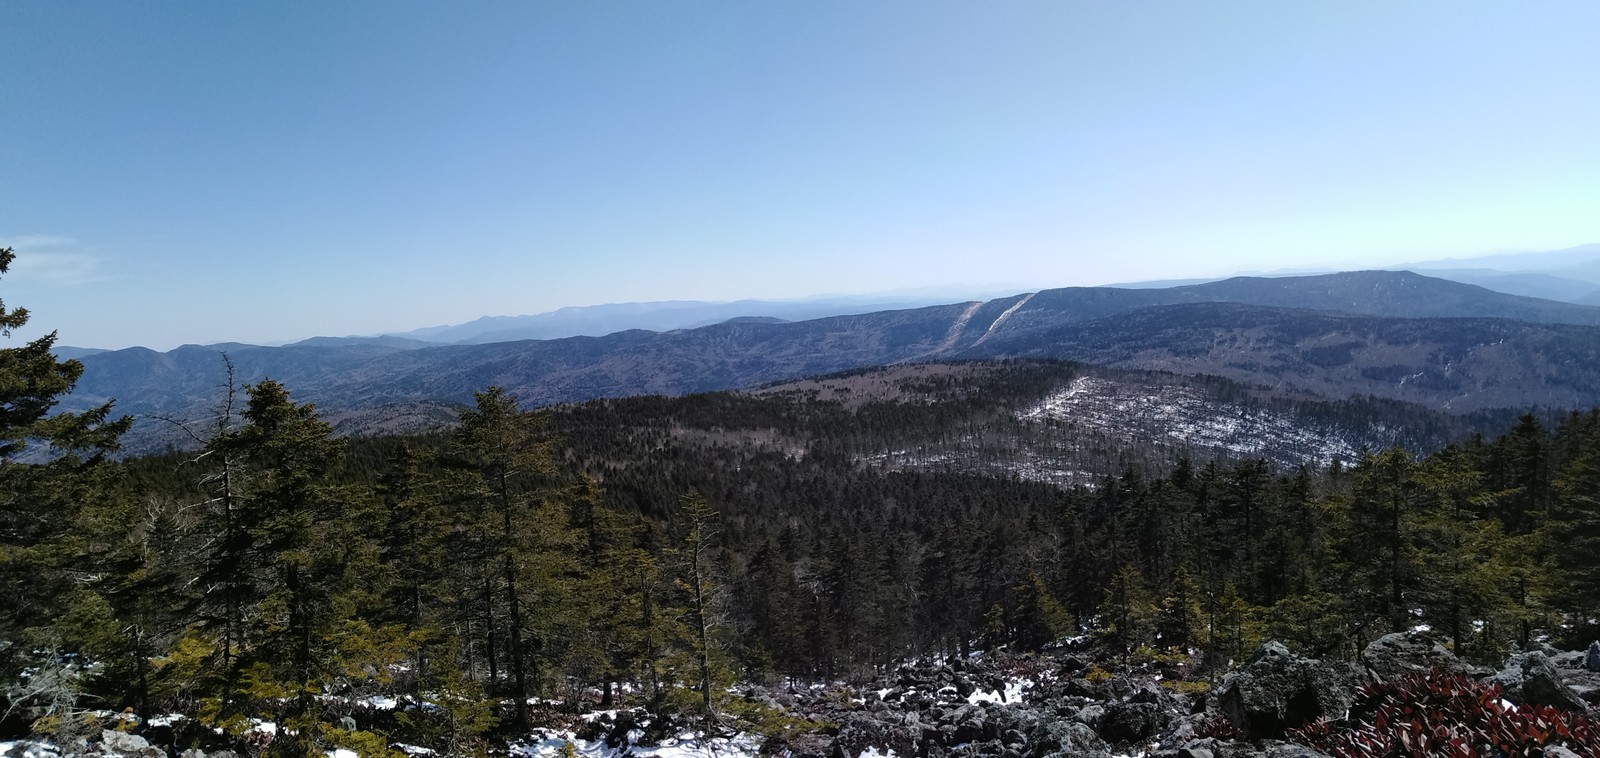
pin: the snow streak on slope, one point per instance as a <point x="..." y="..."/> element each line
<point x="1004" y="316"/>
<point x="957" y="328"/>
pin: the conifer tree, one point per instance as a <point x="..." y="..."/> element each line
<point x="1459" y="576"/>
<point x="1128" y="612"/>
<point x="1376" y="546"/>
<point x="1573" y="533"/>
<point x="51" y="472"/>
<point x="706" y="612"/>
<point x="1235" y="626"/>
<point x="305" y="557"/>
<point x="1039" y="618"/>
<point x="1180" y="620"/>
<point x="501" y="470"/>
<point x="771" y="600"/>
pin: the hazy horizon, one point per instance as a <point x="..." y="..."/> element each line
<point x="264" y="173"/>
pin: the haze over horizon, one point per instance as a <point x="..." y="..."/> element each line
<point x="181" y="173"/>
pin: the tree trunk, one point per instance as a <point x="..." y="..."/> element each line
<point x="519" y="672"/>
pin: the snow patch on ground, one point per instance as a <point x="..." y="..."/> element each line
<point x="379" y="703"/>
<point x="1011" y="694"/>
<point x="686" y="745"/>
<point x="29" y="749"/>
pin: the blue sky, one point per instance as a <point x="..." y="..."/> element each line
<point x="199" y="172"/>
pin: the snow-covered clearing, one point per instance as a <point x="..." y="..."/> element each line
<point x="1187" y="416"/>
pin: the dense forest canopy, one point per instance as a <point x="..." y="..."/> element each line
<point x="636" y="550"/>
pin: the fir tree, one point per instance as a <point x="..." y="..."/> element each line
<point x="500" y="471"/>
<point x="51" y="475"/>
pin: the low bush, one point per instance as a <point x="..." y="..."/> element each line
<point x="1447" y="715"/>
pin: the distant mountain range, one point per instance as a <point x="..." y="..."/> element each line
<point x="1571" y="275"/>
<point x="1389" y="334"/>
<point x="600" y="320"/>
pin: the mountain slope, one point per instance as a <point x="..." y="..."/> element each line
<point x="1458" y="363"/>
<point x="1065" y="423"/>
<point x="1399" y="294"/>
<point x="1527" y="284"/>
<point x="1443" y="360"/>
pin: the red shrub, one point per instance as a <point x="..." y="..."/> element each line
<point x="1446" y="715"/>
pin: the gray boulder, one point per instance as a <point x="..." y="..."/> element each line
<point x="1065" y="738"/>
<point x="1531" y="679"/>
<point x="1131" y="722"/>
<point x="1404" y="652"/>
<point x="1277" y="690"/>
<point x="1290" y="750"/>
<point x="1591" y="659"/>
<point x="1210" y="747"/>
<point x="125" y="744"/>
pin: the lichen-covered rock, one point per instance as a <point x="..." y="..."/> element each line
<point x="1277" y="690"/>
<point x="1290" y="750"/>
<point x="1065" y="738"/>
<point x="1404" y="652"/>
<point x="125" y="744"/>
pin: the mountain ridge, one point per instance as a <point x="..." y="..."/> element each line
<point x="1422" y="340"/>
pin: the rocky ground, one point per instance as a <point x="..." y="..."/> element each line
<point x="1060" y="704"/>
<point x="1067" y="703"/>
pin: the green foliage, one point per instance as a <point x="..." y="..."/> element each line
<point x="1236" y="627"/>
<point x="1128" y="613"/>
<point x="775" y="726"/>
<point x="52" y="482"/>
<point x="1180" y="618"/>
<point x="1039" y="618"/>
<point x="1186" y="686"/>
<point x="1312" y="623"/>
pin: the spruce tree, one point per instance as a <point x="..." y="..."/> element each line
<point x="305" y="559"/>
<point x="1573" y="534"/>
<point x="700" y="579"/>
<point x="500" y="471"/>
<point x="51" y="478"/>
